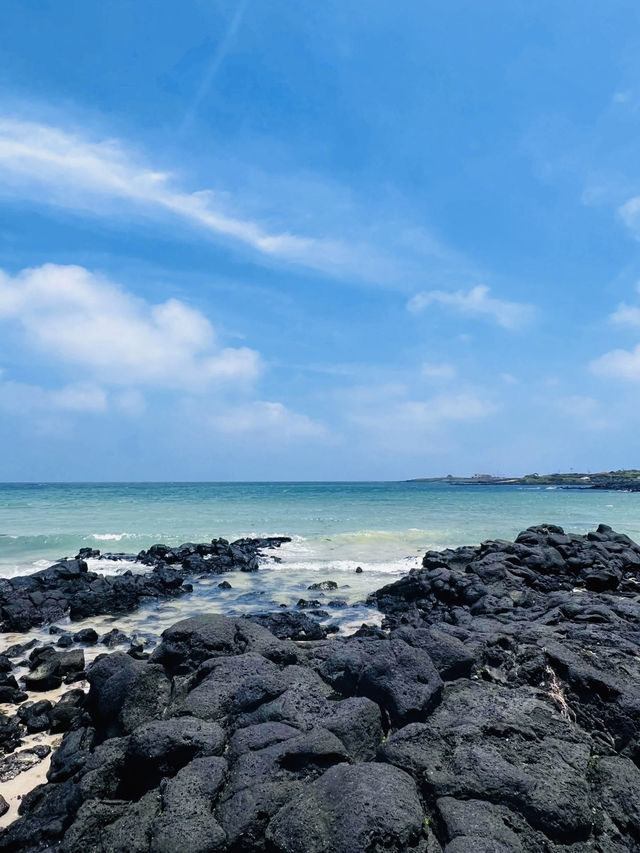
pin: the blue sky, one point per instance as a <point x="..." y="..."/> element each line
<point x="318" y="240"/>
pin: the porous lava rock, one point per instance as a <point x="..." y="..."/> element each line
<point x="496" y="710"/>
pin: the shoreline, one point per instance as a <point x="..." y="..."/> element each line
<point x="529" y="642"/>
<point x="627" y="480"/>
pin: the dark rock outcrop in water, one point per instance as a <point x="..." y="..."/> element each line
<point x="69" y="587"/>
<point x="499" y="711"/>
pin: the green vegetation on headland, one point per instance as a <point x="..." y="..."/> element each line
<point x="626" y="479"/>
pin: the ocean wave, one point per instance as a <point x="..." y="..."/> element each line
<point x="347" y="567"/>
<point x="112" y="537"/>
<point x="115" y="567"/>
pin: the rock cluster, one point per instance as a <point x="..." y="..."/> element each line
<point x="69" y="587"/>
<point x="497" y="710"/>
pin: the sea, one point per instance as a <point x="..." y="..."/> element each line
<point x="382" y="527"/>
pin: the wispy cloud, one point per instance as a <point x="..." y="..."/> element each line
<point x="437" y="372"/>
<point x="417" y="418"/>
<point x="218" y="58"/>
<point x="67" y="169"/>
<point x="476" y="303"/>
<point x="80" y="318"/>
<point x="266" y="418"/>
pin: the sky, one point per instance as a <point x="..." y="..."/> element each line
<point x="326" y="240"/>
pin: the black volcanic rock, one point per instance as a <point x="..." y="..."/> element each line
<point x="372" y="807"/>
<point x="68" y="587"/>
<point x="10" y="733"/>
<point x="86" y="635"/>
<point x="292" y="626"/>
<point x="496" y="710"/>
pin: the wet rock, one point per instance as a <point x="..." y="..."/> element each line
<point x="45" y="675"/>
<point x="137" y="652"/>
<point x="18" y="650"/>
<point x="325" y="586"/>
<point x="16" y="763"/>
<point x="113" y="638"/>
<point x="358" y="570"/>
<point x="86" y="635"/>
<point x="4" y="806"/>
<point x="224" y="585"/>
<point x="35" y="715"/>
<point x="10" y="733"/>
<point x="11" y="694"/>
<point x="69" y="588"/>
<point x="65" y="641"/>
<point x="306" y="603"/>
<point x="371" y="807"/>
<point x="88" y="554"/>
<point x="10" y="691"/>
<point x="48" y="670"/>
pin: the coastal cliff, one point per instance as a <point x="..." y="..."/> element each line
<point x="496" y="709"/>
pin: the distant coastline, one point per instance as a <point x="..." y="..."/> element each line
<point x="622" y="480"/>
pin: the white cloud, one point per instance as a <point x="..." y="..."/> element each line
<point x="438" y="372"/>
<point x="66" y="169"/>
<point x="508" y="379"/>
<point x="626" y="315"/>
<point x="267" y="418"/>
<point x="618" y="364"/>
<point x="425" y="415"/>
<point x="629" y="213"/>
<point x="476" y="303"/>
<point x="78" y="317"/>
<point x="23" y="398"/>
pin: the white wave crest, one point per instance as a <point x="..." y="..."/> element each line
<point x="111" y="537"/>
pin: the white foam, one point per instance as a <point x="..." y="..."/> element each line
<point x="115" y="567"/>
<point x="110" y="537"/>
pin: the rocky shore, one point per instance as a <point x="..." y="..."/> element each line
<point x="68" y="587"/>
<point x="497" y="709"/>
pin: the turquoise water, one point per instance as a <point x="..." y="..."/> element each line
<point x="377" y="522"/>
<point x="383" y="527"/>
